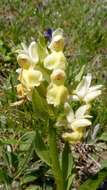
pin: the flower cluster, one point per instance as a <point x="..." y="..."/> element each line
<point x="29" y="75"/>
<point x="32" y="73"/>
<point x="56" y="63"/>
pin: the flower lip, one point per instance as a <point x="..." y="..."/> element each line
<point x="56" y="94"/>
<point x="73" y="137"/>
<point x="57" y="42"/>
<point x="55" y="60"/>
<point x="31" y="78"/>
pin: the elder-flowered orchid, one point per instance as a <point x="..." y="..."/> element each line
<point x="73" y="137"/>
<point x="56" y="94"/>
<point x="29" y="75"/>
<point x="57" y="42"/>
<point x="79" y="119"/>
<point x="85" y="92"/>
<point x="28" y="56"/>
<point x="47" y="65"/>
<point x="31" y="78"/>
<point x="55" y="60"/>
<point x="77" y="122"/>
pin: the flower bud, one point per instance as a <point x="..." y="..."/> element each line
<point x="57" y="43"/>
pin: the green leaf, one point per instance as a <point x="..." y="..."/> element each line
<point x="28" y="179"/>
<point x="41" y="149"/>
<point x="95" y="181"/>
<point x="103" y="137"/>
<point x="79" y="75"/>
<point x="11" y="159"/>
<point x="4" y="177"/>
<point x="67" y="161"/>
<point x="39" y="104"/>
<point x="22" y="164"/>
<point x="67" y="165"/>
<point x="70" y="180"/>
<point x="26" y="140"/>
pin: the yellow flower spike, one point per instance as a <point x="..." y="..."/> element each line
<point x="73" y="137"/>
<point x="56" y="94"/>
<point x="57" y="43"/>
<point x="56" y="60"/>
<point x="31" y="78"/>
<point x="58" y="76"/>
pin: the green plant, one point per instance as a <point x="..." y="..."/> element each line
<point x="42" y="79"/>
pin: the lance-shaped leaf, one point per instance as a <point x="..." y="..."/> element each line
<point x="39" y="104"/>
<point x="67" y="165"/>
<point x="41" y="149"/>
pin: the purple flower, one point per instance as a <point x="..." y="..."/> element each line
<point x="48" y="34"/>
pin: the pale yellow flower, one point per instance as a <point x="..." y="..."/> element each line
<point x="31" y="78"/>
<point x="85" y="92"/>
<point x="79" y="119"/>
<point x="28" y="56"/>
<point x="77" y="122"/>
<point x="73" y="137"/>
<point x="56" y="94"/>
<point x="58" y="76"/>
<point x="55" y="60"/>
<point x="57" y="42"/>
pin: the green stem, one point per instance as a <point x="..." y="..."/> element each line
<point x="55" y="160"/>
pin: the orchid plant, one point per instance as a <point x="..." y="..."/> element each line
<point x="42" y="80"/>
